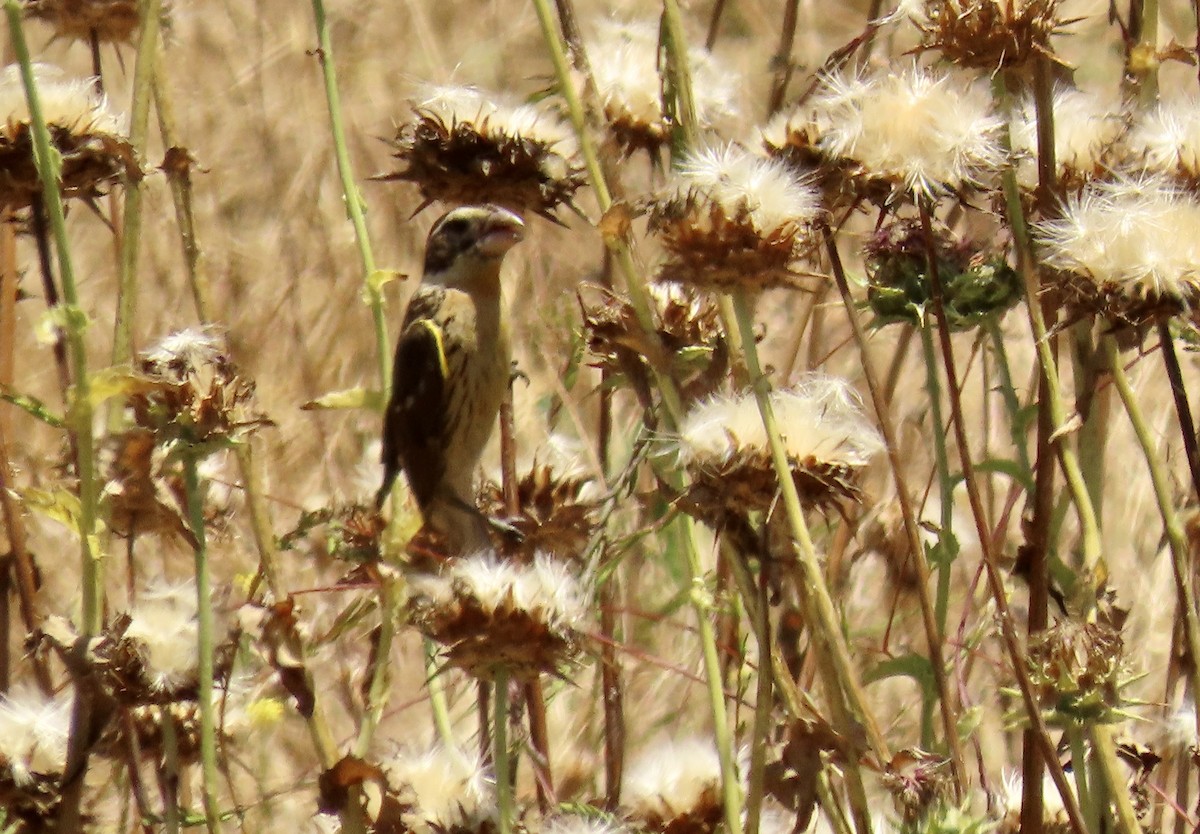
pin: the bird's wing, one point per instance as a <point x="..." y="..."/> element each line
<point x="416" y="418"/>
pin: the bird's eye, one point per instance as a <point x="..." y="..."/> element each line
<point x="456" y="226"/>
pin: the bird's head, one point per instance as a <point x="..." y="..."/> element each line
<point x="467" y="244"/>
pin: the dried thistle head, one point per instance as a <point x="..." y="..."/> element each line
<point x="723" y="445"/>
<point x="675" y="786"/>
<point x="911" y="133"/>
<point x="441" y="790"/>
<point x="1126" y="249"/>
<point x="108" y="21"/>
<point x="1078" y="672"/>
<point x="733" y="219"/>
<point x="990" y="34"/>
<point x="82" y="129"/>
<point x="350" y="531"/>
<point x="138" y="495"/>
<point x="193" y="393"/>
<point x="463" y="146"/>
<point x="558" y="512"/>
<point x="688" y="326"/>
<point x="624" y="58"/>
<point x="489" y="614"/>
<point x="1165" y="141"/>
<point x="33" y="751"/>
<point x="1087" y="138"/>
<point x="918" y="781"/>
<point x="976" y="284"/>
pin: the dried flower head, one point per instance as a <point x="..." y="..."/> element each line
<point x="917" y="781"/>
<point x="624" y="57"/>
<point x="1128" y="249"/>
<point x="489" y="613"/>
<point x="108" y="21"/>
<point x="733" y="219"/>
<point x="33" y="753"/>
<point x="675" y="786"/>
<point x="82" y="129"/>
<point x="920" y="133"/>
<point x="1087" y="129"/>
<point x="193" y="392"/>
<point x="1166" y="141"/>
<point x="990" y="34"/>
<point x="724" y="446"/>
<point x="1078" y="671"/>
<point x="137" y="494"/>
<point x="464" y="146"/>
<point x="976" y="284"/>
<point x="441" y="790"/>
<point x="689" y="331"/>
<point x="350" y="531"/>
<point x="1012" y="793"/>
<point x="558" y="512"/>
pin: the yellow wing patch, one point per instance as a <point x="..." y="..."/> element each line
<point x="436" y="332"/>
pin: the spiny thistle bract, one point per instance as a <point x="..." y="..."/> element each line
<point x="975" y="284"/>
<point x="688" y="326"/>
<point x="732" y="219"/>
<point x="465" y="146"/>
<point x="723" y="445"/>
<point x="1078" y="672"/>
<point x="107" y="21"/>
<point x="441" y="790"/>
<point x="989" y="35"/>
<point x="489" y="614"/>
<point x="1127" y="249"/>
<point x="192" y="392"/>
<point x="624" y="58"/>
<point x="1087" y="133"/>
<point x="911" y="133"/>
<point x="33" y="753"/>
<point x="558" y="512"/>
<point x="94" y="152"/>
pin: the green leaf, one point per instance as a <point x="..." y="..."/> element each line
<point x="33" y="407"/>
<point x="380" y="278"/>
<point x="1011" y="468"/>
<point x="56" y="504"/>
<point x="118" y="382"/>
<point x="912" y="666"/>
<point x="348" y="398"/>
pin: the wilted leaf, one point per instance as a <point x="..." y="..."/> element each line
<point x="348" y="398"/>
<point x="32" y="406"/>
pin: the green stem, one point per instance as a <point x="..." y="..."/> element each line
<point x="1008" y="392"/>
<point x="143" y="74"/>
<point x="1079" y="768"/>
<point x="1176" y="536"/>
<point x="1114" y="779"/>
<point x="381" y="679"/>
<point x="1093" y="557"/>
<point x="437" y="697"/>
<point x="49" y="168"/>
<point x="355" y="206"/>
<point x="824" y="620"/>
<point x="204" y="614"/>
<point x="945" y="484"/>
<point x="504" y="786"/>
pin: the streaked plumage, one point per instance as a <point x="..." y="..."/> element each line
<point x="451" y="370"/>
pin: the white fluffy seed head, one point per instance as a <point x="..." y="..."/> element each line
<point x="70" y="103"/>
<point x="33" y="733"/>
<point x="185" y="350"/>
<point x="494" y="114"/>
<point x="1086" y="126"/>
<point x="578" y="824"/>
<point x="624" y="63"/>
<point x="673" y="777"/>
<point x="1139" y="235"/>
<point x="738" y="181"/>
<point x="1166" y="140"/>
<point x="443" y="789"/>
<point x="819" y="418"/>
<point x="165" y="622"/>
<point x="929" y="132"/>
<point x="548" y="590"/>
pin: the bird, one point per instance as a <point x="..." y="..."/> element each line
<point x="451" y="370"/>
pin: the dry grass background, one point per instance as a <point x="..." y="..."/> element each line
<point x="285" y="274"/>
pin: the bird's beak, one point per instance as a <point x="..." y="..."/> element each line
<point x="502" y="230"/>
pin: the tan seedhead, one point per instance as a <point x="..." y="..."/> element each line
<point x="491" y="614"/>
<point x="463" y="146"/>
<point x="440" y="790"/>
<point x="1165" y="141"/>
<point x="83" y="130"/>
<point x="189" y="391"/>
<point x="731" y="219"/>
<point x="989" y="35"/>
<point x="1078" y="671"/>
<point x="691" y="344"/>
<point x="33" y="753"/>
<point x="724" y="447"/>
<point x="106" y="21"/>
<point x="1126" y="249"/>
<point x="624" y="58"/>
<point x="1087" y="139"/>
<point x="558" y="513"/>
<point x="674" y="787"/>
